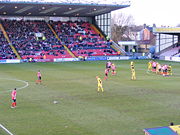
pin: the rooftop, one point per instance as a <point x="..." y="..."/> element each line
<point x="92" y="2"/>
<point x="81" y="8"/>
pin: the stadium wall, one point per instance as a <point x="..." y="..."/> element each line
<point x="168" y="58"/>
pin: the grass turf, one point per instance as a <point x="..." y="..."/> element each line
<point x="125" y="108"/>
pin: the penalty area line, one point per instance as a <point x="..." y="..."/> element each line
<point x="5" y="129"/>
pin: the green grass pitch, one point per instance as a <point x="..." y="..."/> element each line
<point x="125" y="108"/>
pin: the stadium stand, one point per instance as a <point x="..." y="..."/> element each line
<point x="58" y="29"/>
<point x="82" y="40"/>
<point x="79" y="37"/>
<point x="5" y="50"/>
<point x="22" y="36"/>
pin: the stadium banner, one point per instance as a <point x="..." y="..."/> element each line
<point x="168" y="58"/>
<point x="66" y="59"/>
<point x="124" y="58"/>
<point x="143" y="57"/>
<point x="96" y="58"/>
<point x="13" y="61"/>
<point x="132" y="58"/>
<point x="2" y="61"/>
<point x="44" y="60"/>
<point x="138" y="57"/>
<point x="113" y="58"/>
<point x="177" y="59"/>
<point x="10" y="61"/>
<point x="118" y="58"/>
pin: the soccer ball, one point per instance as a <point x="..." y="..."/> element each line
<point x="55" y="102"/>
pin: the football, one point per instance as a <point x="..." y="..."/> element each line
<point x="55" y="102"/>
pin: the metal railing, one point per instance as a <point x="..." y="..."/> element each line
<point x="118" y="47"/>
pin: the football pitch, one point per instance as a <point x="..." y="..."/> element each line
<point x="125" y="107"/>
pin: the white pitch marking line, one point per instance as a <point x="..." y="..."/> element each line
<point x="6" y="129"/>
<point x="26" y="84"/>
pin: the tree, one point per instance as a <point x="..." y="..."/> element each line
<point x="120" y="24"/>
<point x="122" y="19"/>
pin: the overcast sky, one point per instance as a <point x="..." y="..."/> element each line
<point x="160" y="12"/>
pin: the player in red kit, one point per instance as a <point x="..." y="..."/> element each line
<point x="13" y="96"/>
<point x="106" y="73"/>
<point x="39" y="77"/>
<point x="108" y="65"/>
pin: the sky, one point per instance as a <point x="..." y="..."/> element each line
<point x="159" y="12"/>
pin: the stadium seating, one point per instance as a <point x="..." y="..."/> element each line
<point x="5" y="50"/>
<point x="22" y="35"/>
<point x="79" y="37"/>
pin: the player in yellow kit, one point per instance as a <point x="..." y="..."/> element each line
<point x="99" y="84"/>
<point x="150" y="66"/>
<point x="133" y="73"/>
<point x="158" y="68"/>
<point x="169" y="69"/>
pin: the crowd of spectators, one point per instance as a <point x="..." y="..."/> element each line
<point x="23" y="36"/>
<point x="5" y="49"/>
<point x="82" y="39"/>
<point x="78" y="36"/>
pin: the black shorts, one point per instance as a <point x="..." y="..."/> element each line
<point x="39" y="78"/>
<point x="106" y="74"/>
<point x="14" y="100"/>
<point x="108" y="66"/>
